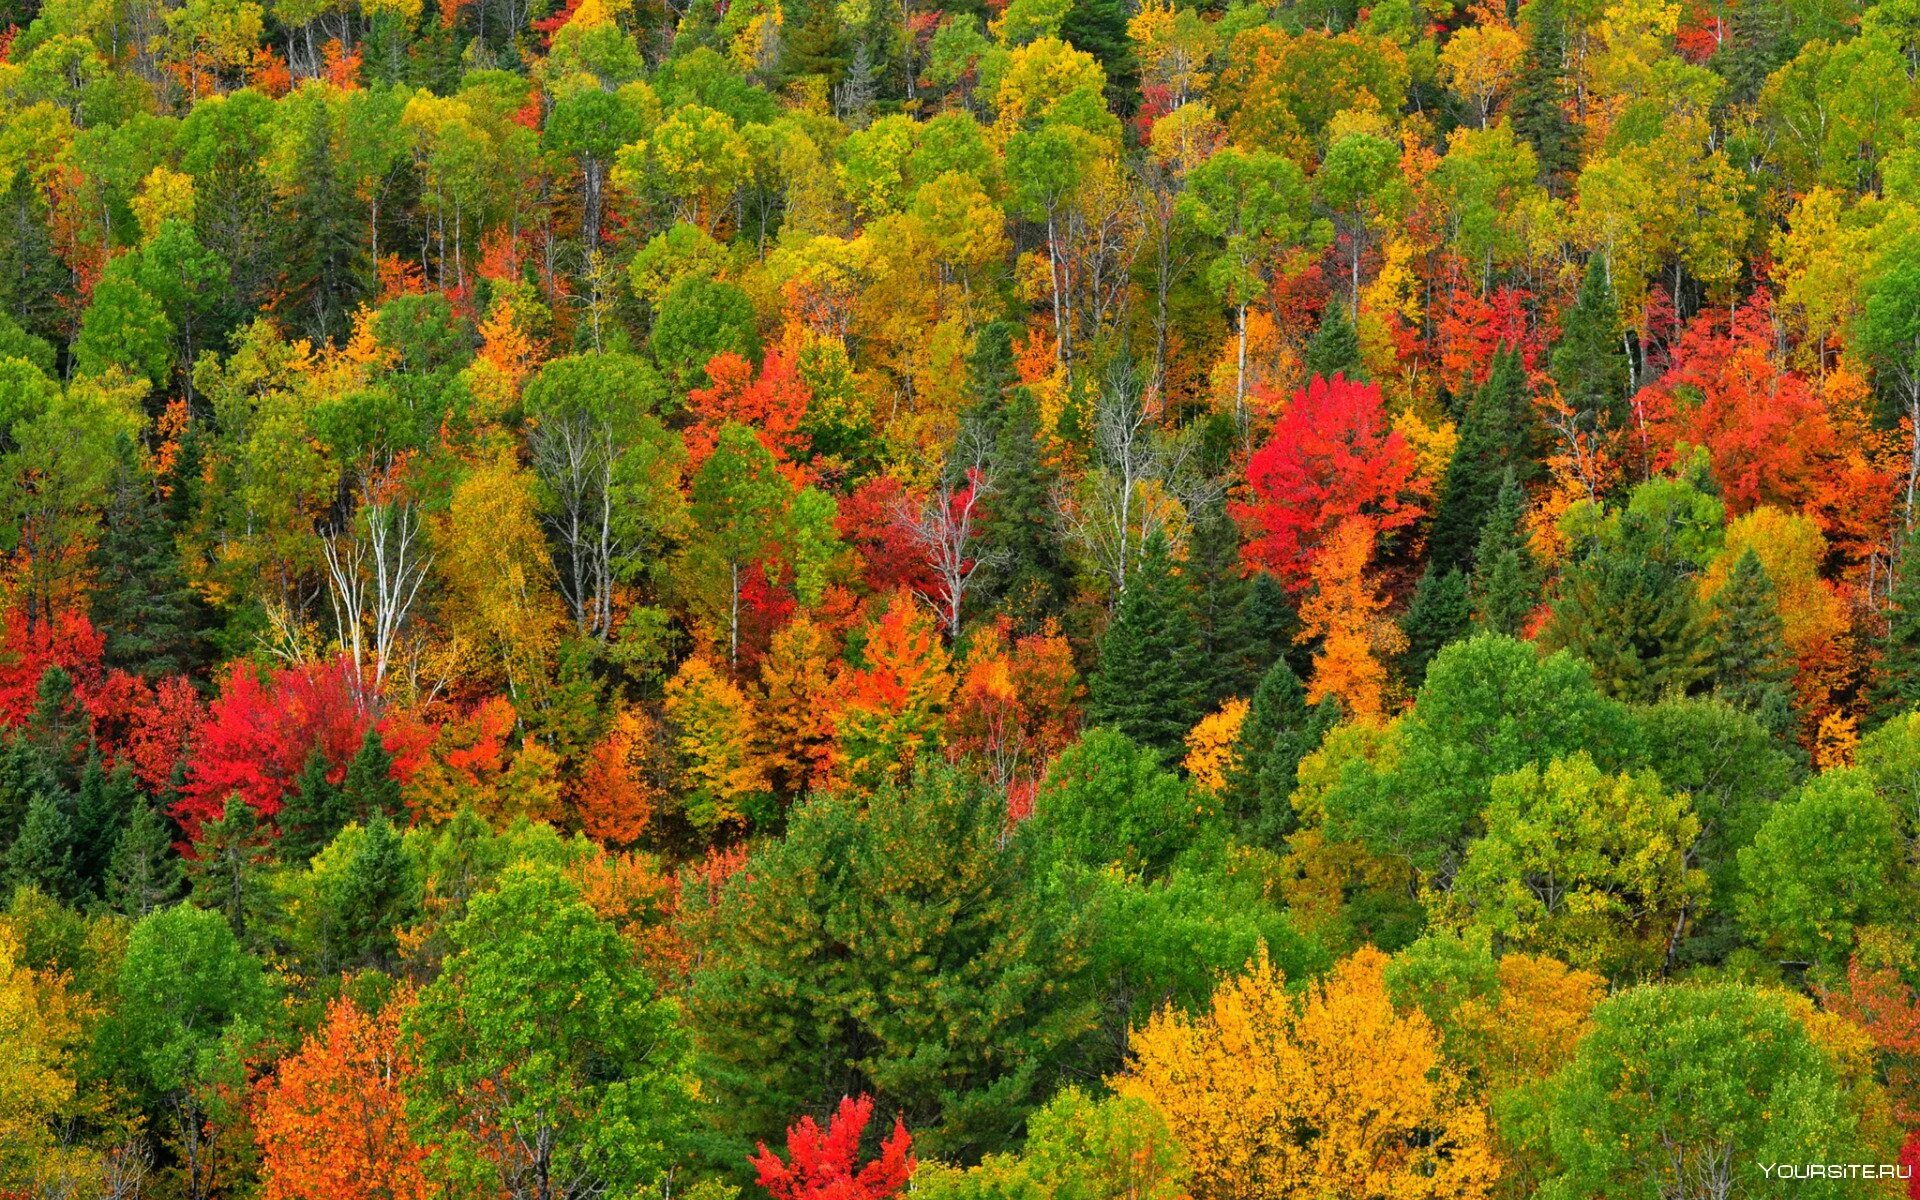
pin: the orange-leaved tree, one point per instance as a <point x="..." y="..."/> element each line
<point x="332" y="1123"/>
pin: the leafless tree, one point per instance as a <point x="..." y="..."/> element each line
<point x="375" y="568"/>
<point x="574" y="453"/>
<point x="944" y="525"/>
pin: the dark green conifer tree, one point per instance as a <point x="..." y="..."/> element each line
<point x="145" y="872"/>
<point x="58" y="728"/>
<point x="1335" y="348"/>
<point x="1759" y="42"/>
<point x="23" y="777"/>
<point x="1149" y="685"/>
<point x="326" y="272"/>
<point x="1590" y="363"/>
<point x="42" y="856"/>
<point x="102" y="807"/>
<point x="151" y="618"/>
<point x="1635" y="618"/>
<point x="1281" y="728"/>
<point x="1751" y="667"/>
<point x="370" y="788"/>
<point x="311" y="814"/>
<point x="30" y="283"/>
<point x="1438" y="614"/>
<point x="1497" y="439"/>
<point x="1539" y="104"/>
<point x="1028" y="574"/>
<point x="229" y="870"/>
<point x="379" y="895"/>
<point x="1505" y="585"/>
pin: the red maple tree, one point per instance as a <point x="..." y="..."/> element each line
<point x="821" y="1163"/>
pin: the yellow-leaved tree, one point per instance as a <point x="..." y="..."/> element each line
<point x="1332" y="1094"/>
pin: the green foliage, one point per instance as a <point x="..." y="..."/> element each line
<point x="228" y="870"/>
<point x="1439" y="613"/>
<point x="1677" y="1080"/>
<point x="1280" y="729"/>
<point x="1588" y="868"/>
<point x="1823" y="864"/>
<point x="892" y="946"/>
<point x="1108" y="800"/>
<point x="540" y="1021"/>
<point x="1148" y="685"/>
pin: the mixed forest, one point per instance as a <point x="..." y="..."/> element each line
<point x="1025" y="600"/>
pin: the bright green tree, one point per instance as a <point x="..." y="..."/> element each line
<point x="1823" y="863"/>
<point x="548" y="1066"/>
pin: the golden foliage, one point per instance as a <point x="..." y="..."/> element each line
<point x="1335" y="1094"/>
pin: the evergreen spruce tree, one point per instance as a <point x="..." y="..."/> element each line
<point x="1335" y="348"/>
<point x="369" y="788"/>
<point x="30" y="284"/>
<point x="1505" y="588"/>
<point x="58" y="727"/>
<point x="1234" y="650"/>
<point x="325" y="269"/>
<point x="102" y="807"/>
<point x="311" y="814"/>
<point x="42" y="856"/>
<point x="1149" y="685"/>
<point x="150" y="616"/>
<point x="144" y="873"/>
<point x="229" y="868"/>
<point x="1280" y="729"/>
<point x="1439" y="614"/>
<point x="1539" y="105"/>
<point x="1758" y="43"/>
<point x="1636" y="620"/>
<point x="23" y="778"/>
<point x="1751" y="667"/>
<point x="1589" y="363"/>
<point x="1896" y="685"/>
<point x="991" y="373"/>
<point x="378" y="895"/>
<point x="1497" y="441"/>
<point x="1269" y="623"/>
<point x="1028" y="573"/>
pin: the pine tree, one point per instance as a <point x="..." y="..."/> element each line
<point x="1896" y="687"/>
<point x="378" y="896"/>
<point x="151" y="618"/>
<point x="1439" y="614"/>
<point x="1590" y="364"/>
<point x="1280" y="729"/>
<point x="1149" y="683"/>
<point x="1496" y="441"/>
<point x="144" y="873"/>
<point x="101" y="810"/>
<point x="370" y="788"/>
<point x="42" y="856"/>
<point x="311" y="814"/>
<point x="1335" y="348"/>
<point x="30" y="283"/>
<point x="1234" y="651"/>
<point x="991" y="373"/>
<point x="228" y="870"/>
<point x="1539" y="105"/>
<point x="1751" y="667"/>
<point x="1636" y="620"/>
<point x="1505" y="589"/>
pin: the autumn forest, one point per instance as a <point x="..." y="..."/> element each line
<point x="1017" y="600"/>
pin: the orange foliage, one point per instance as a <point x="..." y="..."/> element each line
<point x="891" y="706"/>
<point x="1016" y="704"/>
<point x="772" y="404"/>
<point x="332" y="1122"/>
<point x="1347" y="612"/>
<point x="799" y="703"/>
<point x="616" y="794"/>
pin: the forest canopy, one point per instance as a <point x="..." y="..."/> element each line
<point x="1168" y="600"/>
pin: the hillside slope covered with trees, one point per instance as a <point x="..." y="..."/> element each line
<point x="1036" y="598"/>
